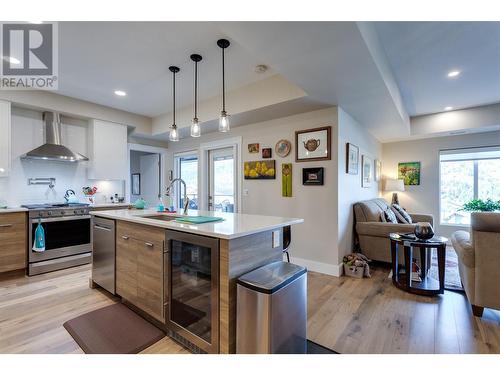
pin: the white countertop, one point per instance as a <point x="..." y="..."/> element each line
<point x="233" y="225"/>
<point x="12" y="209"/>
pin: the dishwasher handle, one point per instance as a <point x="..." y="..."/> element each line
<point x="97" y="226"/>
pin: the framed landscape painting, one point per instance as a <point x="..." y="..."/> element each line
<point x="409" y="172"/>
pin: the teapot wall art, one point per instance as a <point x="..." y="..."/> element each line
<point x="313" y="144"/>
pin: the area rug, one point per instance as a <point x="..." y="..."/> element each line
<point x="451" y="274"/>
<point x="113" y="329"/>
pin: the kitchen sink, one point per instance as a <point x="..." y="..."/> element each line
<point x="162" y="217"/>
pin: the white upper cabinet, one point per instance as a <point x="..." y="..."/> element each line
<point x="5" y="138"/>
<point x="107" y="151"/>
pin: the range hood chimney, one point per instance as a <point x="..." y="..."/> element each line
<point x="53" y="149"/>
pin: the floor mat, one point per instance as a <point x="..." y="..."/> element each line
<point x="113" y="329"/>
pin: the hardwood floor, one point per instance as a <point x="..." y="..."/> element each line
<point x="347" y="315"/>
<point x="372" y="316"/>
<point x="33" y="310"/>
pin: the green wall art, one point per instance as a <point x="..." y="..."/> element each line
<point x="409" y="172"/>
<point x="286" y="179"/>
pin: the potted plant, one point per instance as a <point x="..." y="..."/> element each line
<point x="487" y="205"/>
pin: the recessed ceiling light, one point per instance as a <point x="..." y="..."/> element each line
<point x="120" y="93"/>
<point x="36" y="22"/>
<point x="448" y="108"/>
<point x="13" y="60"/>
<point x="454" y="73"/>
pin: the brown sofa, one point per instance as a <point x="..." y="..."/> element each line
<point x="373" y="234"/>
<point x="478" y="260"/>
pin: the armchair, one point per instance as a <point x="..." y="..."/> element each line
<point x="479" y="261"/>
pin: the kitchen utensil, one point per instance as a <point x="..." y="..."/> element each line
<point x="70" y="196"/>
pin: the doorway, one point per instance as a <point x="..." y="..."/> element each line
<point x="145" y="172"/>
<point x="222" y="180"/>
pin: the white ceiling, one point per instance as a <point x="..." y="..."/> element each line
<point x="96" y="58"/>
<point x="378" y="72"/>
<point x="422" y="53"/>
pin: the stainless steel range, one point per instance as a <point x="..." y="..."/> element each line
<point x="67" y="236"/>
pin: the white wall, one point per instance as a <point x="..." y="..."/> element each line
<point x="424" y="198"/>
<point x="350" y="190"/>
<point x="314" y="243"/>
<point x="27" y="134"/>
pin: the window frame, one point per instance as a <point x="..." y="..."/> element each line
<point x="476" y="176"/>
<point x="176" y="174"/>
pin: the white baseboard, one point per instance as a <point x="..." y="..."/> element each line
<point x="326" y="268"/>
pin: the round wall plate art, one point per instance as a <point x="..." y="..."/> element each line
<point x="283" y="148"/>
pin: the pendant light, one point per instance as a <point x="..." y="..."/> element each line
<point x="174" y="133"/>
<point x="224" y="117"/>
<point x="195" y="126"/>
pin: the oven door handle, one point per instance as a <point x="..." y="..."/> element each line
<point x="61" y="218"/>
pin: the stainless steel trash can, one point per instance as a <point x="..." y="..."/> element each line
<point x="271" y="311"/>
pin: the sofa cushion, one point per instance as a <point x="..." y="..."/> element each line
<point x="401" y="214"/>
<point x="388" y="216"/>
<point x="370" y="210"/>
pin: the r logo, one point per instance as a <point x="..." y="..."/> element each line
<point x="27" y="49"/>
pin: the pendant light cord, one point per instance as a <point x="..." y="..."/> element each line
<point x="195" y="89"/>
<point x="174" y="99"/>
<point x="223" y="83"/>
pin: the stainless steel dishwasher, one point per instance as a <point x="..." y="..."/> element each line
<point x="103" y="253"/>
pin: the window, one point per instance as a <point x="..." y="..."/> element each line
<point x="186" y="167"/>
<point x="465" y="175"/>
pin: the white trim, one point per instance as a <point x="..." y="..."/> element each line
<point x="155" y="150"/>
<point x="203" y="182"/>
<point x="326" y="268"/>
<point x="175" y="172"/>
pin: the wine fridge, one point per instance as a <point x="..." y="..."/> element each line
<point x="193" y="289"/>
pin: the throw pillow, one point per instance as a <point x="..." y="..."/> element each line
<point x="388" y="217"/>
<point x="401" y="214"/>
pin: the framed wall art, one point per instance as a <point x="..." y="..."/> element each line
<point x="283" y="148"/>
<point x="313" y="176"/>
<point x="409" y="172"/>
<point x="352" y="158"/>
<point x="378" y="170"/>
<point x="267" y="153"/>
<point x="253" y="148"/>
<point x="260" y="170"/>
<point x="366" y="171"/>
<point x="313" y="144"/>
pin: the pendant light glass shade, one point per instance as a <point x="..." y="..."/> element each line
<point x="224" y="117"/>
<point x="224" y="125"/>
<point x="195" y="128"/>
<point x="174" y="133"/>
<point x="195" y="124"/>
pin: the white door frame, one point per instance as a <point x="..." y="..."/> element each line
<point x="175" y="172"/>
<point x="163" y="160"/>
<point x="203" y="181"/>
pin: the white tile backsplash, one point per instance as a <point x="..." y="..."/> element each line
<point x="27" y="134"/>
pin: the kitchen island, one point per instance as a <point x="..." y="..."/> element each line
<point x="182" y="276"/>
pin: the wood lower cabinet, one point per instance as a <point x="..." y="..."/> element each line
<point x="140" y="267"/>
<point x="12" y="241"/>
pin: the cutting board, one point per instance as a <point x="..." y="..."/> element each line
<point x="198" y="219"/>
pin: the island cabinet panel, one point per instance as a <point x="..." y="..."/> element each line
<point x="13" y="242"/>
<point x="140" y="267"/>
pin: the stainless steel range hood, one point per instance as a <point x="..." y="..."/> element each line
<point x="53" y="149"/>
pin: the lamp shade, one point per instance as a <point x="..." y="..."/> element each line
<point x="394" y="185"/>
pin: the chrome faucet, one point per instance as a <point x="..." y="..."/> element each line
<point x="186" y="199"/>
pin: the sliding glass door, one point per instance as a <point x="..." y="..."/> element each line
<point x="222" y="180"/>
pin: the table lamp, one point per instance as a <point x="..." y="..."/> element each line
<point x="394" y="185"/>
